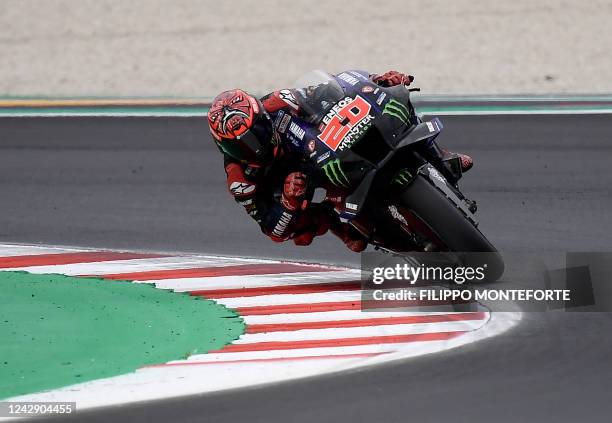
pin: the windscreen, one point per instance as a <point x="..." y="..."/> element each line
<point x="317" y="92"/>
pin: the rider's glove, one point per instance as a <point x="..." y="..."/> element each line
<point x="393" y="78"/>
<point x="311" y="223"/>
<point x="293" y="191"/>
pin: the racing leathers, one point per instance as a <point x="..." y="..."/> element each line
<point x="274" y="195"/>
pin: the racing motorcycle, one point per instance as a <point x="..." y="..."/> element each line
<point x="376" y="162"/>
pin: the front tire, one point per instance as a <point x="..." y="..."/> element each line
<point x="449" y="224"/>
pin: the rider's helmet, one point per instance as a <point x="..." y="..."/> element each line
<point x="241" y="127"/>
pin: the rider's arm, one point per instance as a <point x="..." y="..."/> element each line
<point x="281" y="100"/>
<point x="242" y="186"/>
<point x="276" y="219"/>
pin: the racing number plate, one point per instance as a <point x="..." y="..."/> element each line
<point x="345" y="120"/>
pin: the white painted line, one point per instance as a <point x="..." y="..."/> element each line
<point x="360" y="331"/>
<point x="324" y="316"/>
<point x="134" y="265"/>
<point x="7" y="250"/>
<point x="281" y="354"/>
<point x="254" y="281"/>
<point x="284" y="299"/>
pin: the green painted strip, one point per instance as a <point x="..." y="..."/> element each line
<point x="104" y="111"/>
<point x="421" y="96"/>
<point x="509" y="98"/>
<point x="169" y="99"/>
<point x="527" y="107"/>
<point x="58" y="331"/>
<point x="511" y="108"/>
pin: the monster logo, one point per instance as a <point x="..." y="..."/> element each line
<point x="335" y="174"/>
<point x="397" y="110"/>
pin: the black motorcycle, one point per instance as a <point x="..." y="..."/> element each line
<point x="381" y="169"/>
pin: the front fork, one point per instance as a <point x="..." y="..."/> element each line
<point x="449" y="164"/>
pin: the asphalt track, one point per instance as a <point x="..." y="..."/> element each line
<point x="543" y="186"/>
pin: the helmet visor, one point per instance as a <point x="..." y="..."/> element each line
<point x="253" y="146"/>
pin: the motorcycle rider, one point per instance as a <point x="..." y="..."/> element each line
<point x="264" y="178"/>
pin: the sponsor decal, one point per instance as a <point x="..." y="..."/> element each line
<point x="281" y="226"/>
<point x="397" y="110"/>
<point x="348" y="78"/>
<point x="335" y="174"/>
<point x="381" y="98"/>
<point x="250" y="171"/>
<point x="282" y="128"/>
<point x="367" y="89"/>
<point x="254" y="104"/>
<point x="345" y="122"/>
<point x="352" y="206"/>
<point x="359" y="75"/>
<point x="278" y="118"/>
<point x="323" y="156"/>
<point x="295" y="129"/>
<point x="430" y="126"/>
<point x="287" y="97"/>
<point x="436" y="175"/>
<point x="240" y="188"/>
<point x="311" y="146"/>
<point x="397" y="215"/>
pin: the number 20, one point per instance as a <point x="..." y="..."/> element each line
<point x="337" y="128"/>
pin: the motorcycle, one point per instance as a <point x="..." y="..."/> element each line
<point x="376" y="162"/>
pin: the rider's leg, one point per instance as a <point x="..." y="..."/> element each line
<point x="316" y="221"/>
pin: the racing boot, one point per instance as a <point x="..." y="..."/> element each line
<point x="466" y="161"/>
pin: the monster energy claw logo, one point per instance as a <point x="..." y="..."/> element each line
<point x="334" y="173"/>
<point x="396" y="109"/>
<point x="402" y="177"/>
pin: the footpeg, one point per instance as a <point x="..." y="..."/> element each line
<point x="472" y="206"/>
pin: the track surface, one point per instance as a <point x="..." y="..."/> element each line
<point x="542" y="183"/>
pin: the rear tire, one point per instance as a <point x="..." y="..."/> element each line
<point x="451" y="226"/>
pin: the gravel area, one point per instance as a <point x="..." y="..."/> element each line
<point x="197" y="48"/>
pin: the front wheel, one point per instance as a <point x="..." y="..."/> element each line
<point x="440" y="219"/>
